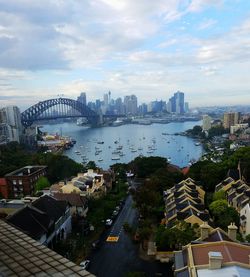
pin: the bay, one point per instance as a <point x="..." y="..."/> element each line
<point x="98" y="144"/>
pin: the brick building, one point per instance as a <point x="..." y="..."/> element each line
<point x="22" y="181"/>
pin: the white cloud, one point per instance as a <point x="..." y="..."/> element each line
<point x="206" y="24"/>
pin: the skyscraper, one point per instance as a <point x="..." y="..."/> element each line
<point x="176" y="103"/>
<point x="179" y="96"/>
<point x="82" y="98"/>
<point x="130" y="103"/>
<point x="10" y="120"/>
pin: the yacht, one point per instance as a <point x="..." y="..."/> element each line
<point x="115" y="158"/>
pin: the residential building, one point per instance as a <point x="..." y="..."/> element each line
<point x="78" y="203"/>
<point x="185" y="201"/>
<point x="3" y="188"/>
<point x="245" y="220"/>
<point x="20" y="255"/>
<point x="22" y="181"/>
<point x="206" y="122"/>
<point x="237" y="192"/>
<point x="90" y="183"/>
<point x="238" y="128"/>
<point x="46" y="220"/>
<point x="215" y="253"/>
<point x="10" y="206"/>
<point x="230" y="119"/>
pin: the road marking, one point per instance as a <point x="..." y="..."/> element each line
<point x="112" y="239"/>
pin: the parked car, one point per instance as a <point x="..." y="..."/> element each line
<point x="115" y="213"/>
<point x="85" y="264"/>
<point x="109" y="222"/>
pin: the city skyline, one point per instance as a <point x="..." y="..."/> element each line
<point x="147" y="49"/>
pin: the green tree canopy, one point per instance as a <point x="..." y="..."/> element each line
<point x="219" y="195"/>
<point x="223" y="214"/>
<point x="42" y="183"/>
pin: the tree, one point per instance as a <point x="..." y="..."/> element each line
<point x="223" y="214"/>
<point x="145" y="166"/>
<point x="219" y="195"/>
<point x="248" y="238"/>
<point x="42" y="183"/>
<point x="91" y="165"/>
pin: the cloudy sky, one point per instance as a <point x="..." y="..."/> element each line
<point x="150" y="48"/>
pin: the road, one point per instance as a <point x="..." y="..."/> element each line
<point x="116" y="258"/>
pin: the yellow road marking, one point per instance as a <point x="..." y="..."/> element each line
<point x="112" y="239"/>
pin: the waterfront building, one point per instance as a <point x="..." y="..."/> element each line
<point x="206" y="122"/>
<point x="22" y="181"/>
<point x="82" y="98"/>
<point x="230" y="119"/>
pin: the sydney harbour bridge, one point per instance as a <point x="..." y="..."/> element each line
<point x="60" y="108"/>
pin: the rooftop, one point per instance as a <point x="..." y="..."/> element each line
<point x="20" y="255"/>
<point x="26" y="171"/>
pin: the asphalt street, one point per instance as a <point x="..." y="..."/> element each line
<point x="117" y="258"/>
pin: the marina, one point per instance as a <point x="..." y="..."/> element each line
<point x="108" y="145"/>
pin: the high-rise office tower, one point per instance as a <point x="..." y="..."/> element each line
<point x="130" y="103"/>
<point x="176" y="103"/>
<point x="179" y="96"/>
<point x="82" y="98"/>
<point x="11" y="126"/>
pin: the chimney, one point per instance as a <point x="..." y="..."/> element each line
<point x="232" y="231"/>
<point x="204" y="228"/>
<point x="215" y="260"/>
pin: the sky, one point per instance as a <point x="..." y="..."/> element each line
<point x="53" y="48"/>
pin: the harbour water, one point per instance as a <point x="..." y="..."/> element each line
<point x="109" y="145"/>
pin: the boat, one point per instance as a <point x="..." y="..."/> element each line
<point x="164" y="134"/>
<point x="121" y="154"/>
<point x="100" y="142"/>
<point x="115" y="158"/>
<point x="150" y="151"/>
<point x="100" y="160"/>
<point x="197" y="143"/>
<point x="140" y="148"/>
<point x="133" y="150"/>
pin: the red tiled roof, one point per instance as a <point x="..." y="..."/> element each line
<point x="185" y="170"/>
<point x="231" y="252"/>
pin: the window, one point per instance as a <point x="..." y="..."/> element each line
<point x="14" y="182"/>
<point x="20" y="182"/>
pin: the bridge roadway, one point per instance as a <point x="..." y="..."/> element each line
<point x="117" y="258"/>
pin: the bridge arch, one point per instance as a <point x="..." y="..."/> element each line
<point x="38" y="111"/>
